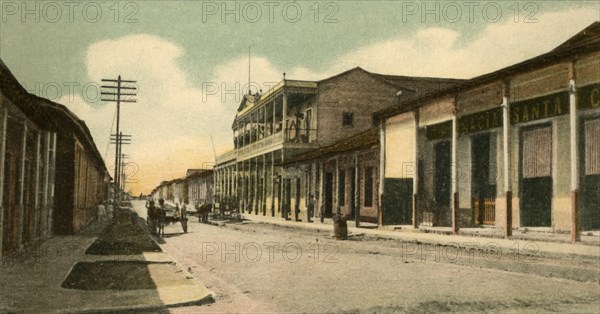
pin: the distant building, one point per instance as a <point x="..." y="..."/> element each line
<point x="196" y="187"/>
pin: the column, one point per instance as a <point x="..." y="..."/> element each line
<point x="273" y="183"/>
<point x="230" y="190"/>
<point x="51" y="183"/>
<point x="284" y="118"/>
<point x="336" y="190"/>
<point x="2" y="156"/>
<point x="274" y="116"/>
<point x="36" y="204"/>
<point x="264" y="183"/>
<point x="507" y="166"/>
<point x="381" y="206"/>
<point x="236" y="193"/>
<point x="22" y="187"/>
<point x="265" y="111"/>
<point x="255" y="190"/>
<point x="45" y="188"/>
<point x="454" y="169"/>
<point x="356" y="200"/>
<point x="574" y="126"/>
<point x="415" y="204"/>
<point x="282" y="204"/>
<point x="243" y="192"/>
<point x="215" y="180"/>
<point x="320" y="201"/>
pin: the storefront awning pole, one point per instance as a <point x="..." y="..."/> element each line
<point x="575" y="236"/>
<point x="506" y="152"/>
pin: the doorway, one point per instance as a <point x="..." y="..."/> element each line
<point x="536" y="176"/>
<point x="328" y="194"/>
<point x="442" y="183"/>
<point x="590" y="180"/>
<point x="483" y="187"/>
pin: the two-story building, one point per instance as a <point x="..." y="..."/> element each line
<point x="298" y="117"/>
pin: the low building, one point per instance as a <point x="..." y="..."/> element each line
<point x="196" y="187"/>
<point x="517" y="147"/>
<point x="42" y="141"/>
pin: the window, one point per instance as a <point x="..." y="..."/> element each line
<point x="348" y="119"/>
<point x="368" y="187"/>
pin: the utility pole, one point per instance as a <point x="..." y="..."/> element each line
<point x="123" y="177"/>
<point x="119" y="140"/>
<point x="114" y="92"/>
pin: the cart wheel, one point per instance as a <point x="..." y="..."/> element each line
<point x="184" y="224"/>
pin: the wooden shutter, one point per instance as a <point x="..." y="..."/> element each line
<point x="537" y="153"/>
<point x="592" y="147"/>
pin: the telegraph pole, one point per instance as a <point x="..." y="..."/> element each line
<point x="119" y="140"/>
<point x="123" y="177"/>
<point x="113" y="91"/>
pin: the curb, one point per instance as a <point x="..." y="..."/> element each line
<point x="583" y="251"/>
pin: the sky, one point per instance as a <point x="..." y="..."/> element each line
<point x="191" y="58"/>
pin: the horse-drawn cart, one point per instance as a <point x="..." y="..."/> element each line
<point x="172" y="217"/>
<point x="159" y="216"/>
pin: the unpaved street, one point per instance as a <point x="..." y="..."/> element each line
<point x="255" y="267"/>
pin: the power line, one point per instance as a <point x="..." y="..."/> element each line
<point x="113" y="91"/>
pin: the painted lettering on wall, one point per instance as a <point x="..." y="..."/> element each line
<point x="588" y="97"/>
<point x="470" y="123"/>
<point x="539" y="108"/>
<point x="480" y="121"/>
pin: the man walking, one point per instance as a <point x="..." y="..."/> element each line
<point x="311" y="208"/>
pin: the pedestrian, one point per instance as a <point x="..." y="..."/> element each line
<point x="297" y="212"/>
<point x="310" y="211"/>
<point x="101" y="213"/>
<point x="176" y="214"/>
<point x="110" y="210"/>
<point x="184" y="208"/>
<point x="162" y="213"/>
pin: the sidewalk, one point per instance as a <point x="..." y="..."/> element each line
<point x="544" y="243"/>
<point x="35" y="280"/>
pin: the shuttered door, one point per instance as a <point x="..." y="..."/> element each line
<point x="590" y="185"/>
<point x="536" y="176"/>
<point x="537" y="153"/>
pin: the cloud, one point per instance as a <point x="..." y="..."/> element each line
<point x="435" y="51"/>
<point x="176" y="123"/>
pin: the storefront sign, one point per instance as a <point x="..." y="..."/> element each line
<point x="470" y="123"/>
<point x="523" y="111"/>
<point x="539" y="108"/>
<point x="480" y="121"/>
<point x="588" y="97"/>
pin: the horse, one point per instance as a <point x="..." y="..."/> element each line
<point x="203" y="212"/>
<point x="161" y="217"/>
<point x="152" y="217"/>
<point x="156" y="218"/>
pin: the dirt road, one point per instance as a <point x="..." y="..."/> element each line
<point x="263" y="268"/>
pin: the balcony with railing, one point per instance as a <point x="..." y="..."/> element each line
<point x="281" y="118"/>
<point x="292" y="138"/>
